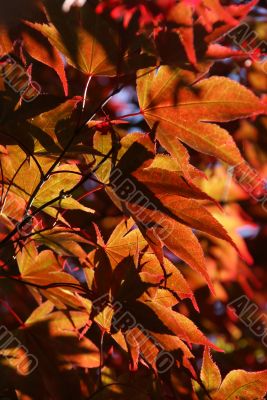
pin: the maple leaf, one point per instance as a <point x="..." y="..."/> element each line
<point x="44" y="269"/>
<point x="176" y="284"/>
<point x="17" y="165"/>
<point x="182" y="29"/>
<point x="112" y="259"/>
<point x="238" y="384"/>
<point x="243" y="384"/>
<point x="50" y="338"/>
<point x="162" y="212"/>
<point x="40" y="49"/>
<point x="187" y="112"/>
<point x="210" y="373"/>
<point x="112" y="283"/>
<point x="108" y="256"/>
<point x="182" y="326"/>
<point x="86" y="48"/>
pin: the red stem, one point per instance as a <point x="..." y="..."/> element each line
<point x="85" y="195"/>
<point x="131" y="115"/>
<point x="12" y="312"/>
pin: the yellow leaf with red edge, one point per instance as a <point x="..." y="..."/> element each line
<point x="210" y="373"/>
<point x="240" y="384"/>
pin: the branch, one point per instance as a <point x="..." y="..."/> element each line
<point x="68" y="145"/>
<point x="62" y="195"/>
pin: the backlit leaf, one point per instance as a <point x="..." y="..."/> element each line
<point x="183" y="110"/>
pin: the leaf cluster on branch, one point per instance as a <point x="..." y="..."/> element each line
<point x="126" y="183"/>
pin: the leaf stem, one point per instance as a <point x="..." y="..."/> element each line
<point x="130" y="115"/>
<point x="12" y="312"/>
<point x="85" y="92"/>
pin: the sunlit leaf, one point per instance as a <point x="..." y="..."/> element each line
<point x="183" y="111"/>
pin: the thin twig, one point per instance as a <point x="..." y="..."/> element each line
<point x="2" y="183"/>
